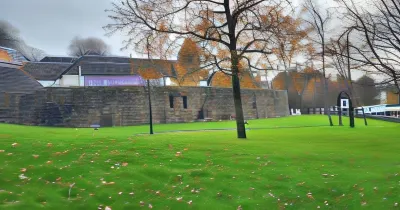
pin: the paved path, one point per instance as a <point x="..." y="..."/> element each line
<point x="232" y="129"/>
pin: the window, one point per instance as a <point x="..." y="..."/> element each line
<point x="184" y="102"/>
<point x="171" y="101"/>
<point x="254" y="102"/>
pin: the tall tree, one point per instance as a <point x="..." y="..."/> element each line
<point x="241" y="28"/>
<point x="367" y="91"/>
<point x="377" y="29"/>
<point x="81" y="46"/>
<point x="188" y="68"/>
<point x="319" y="20"/>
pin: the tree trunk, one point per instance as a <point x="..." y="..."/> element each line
<point x="326" y="92"/>
<point x="241" y="130"/>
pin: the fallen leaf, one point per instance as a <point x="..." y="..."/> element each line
<point x="58" y="179"/>
<point x="49" y="144"/>
<point x="14" y="144"/>
<point x="9" y="154"/>
<point x="109" y="183"/>
<point x="35" y="156"/>
<point x="1" y="151"/>
<point x="120" y="193"/>
<point x="190" y="202"/>
<point x="49" y="162"/>
<point x="108" y="208"/>
<point x="141" y="203"/>
<point x="23" y="170"/>
<point x="150" y="206"/>
<point x="22" y="176"/>
<point x="179" y="199"/>
<point x="124" y="164"/>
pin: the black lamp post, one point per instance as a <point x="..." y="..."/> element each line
<point x="150" y="111"/>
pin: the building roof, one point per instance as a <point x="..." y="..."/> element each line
<point x="45" y="70"/>
<point x="13" y="79"/>
<point x="16" y="56"/>
<point x="61" y="59"/>
<point x="108" y="65"/>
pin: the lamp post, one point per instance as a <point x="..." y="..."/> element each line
<point x="150" y="111"/>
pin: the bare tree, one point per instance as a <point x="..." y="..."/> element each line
<point x="229" y="32"/>
<point x="32" y="54"/>
<point x="81" y="46"/>
<point x="9" y="37"/>
<point x="377" y="29"/>
<point x="319" y="21"/>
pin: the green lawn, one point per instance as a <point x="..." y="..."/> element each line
<point x="276" y="167"/>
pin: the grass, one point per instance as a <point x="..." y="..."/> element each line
<point x="342" y="168"/>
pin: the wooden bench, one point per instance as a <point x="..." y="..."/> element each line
<point x="207" y="119"/>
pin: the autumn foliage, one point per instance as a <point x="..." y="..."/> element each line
<point x="188" y="70"/>
<point x="392" y="98"/>
<point x="247" y="80"/>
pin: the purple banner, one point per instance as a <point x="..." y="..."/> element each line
<point x="114" y="81"/>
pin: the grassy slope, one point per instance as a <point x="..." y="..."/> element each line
<point x="283" y="164"/>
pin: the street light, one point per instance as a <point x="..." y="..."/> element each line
<point x="150" y="111"/>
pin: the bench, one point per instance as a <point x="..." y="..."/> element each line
<point x="207" y="119"/>
<point x="95" y="126"/>
<point x="232" y="117"/>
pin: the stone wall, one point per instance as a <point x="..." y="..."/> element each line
<point x="117" y="106"/>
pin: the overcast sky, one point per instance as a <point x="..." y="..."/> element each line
<point x="51" y="24"/>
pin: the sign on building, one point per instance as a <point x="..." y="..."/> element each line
<point x="114" y="81"/>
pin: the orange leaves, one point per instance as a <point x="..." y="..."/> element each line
<point x="221" y="80"/>
<point x="163" y="26"/>
<point x="188" y="68"/>
<point x="149" y="73"/>
<point x="279" y="82"/>
<point x="392" y="98"/>
<point x="223" y="54"/>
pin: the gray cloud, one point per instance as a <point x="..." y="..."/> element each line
<point x="51" y="24"/>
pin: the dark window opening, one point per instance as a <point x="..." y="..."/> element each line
<point x="184" y="102"/>
<point x="171" y="101"/>
<point x="254" y="102"/>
